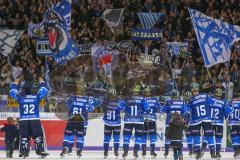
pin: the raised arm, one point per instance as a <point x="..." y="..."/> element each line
<point x="14" y="92"/>
<point x="42" y="91"/>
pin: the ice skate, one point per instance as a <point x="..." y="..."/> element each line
<point x="236" y="156"/>
<point x="198" y="156"/>
<point x="166" y="155"/>
<point x="218" y="156"/>
<point x="79" y="153"/>
<point x="144" y="152"/>
<point x="105" y="154"/>
<point x="69" y="153"/>
<point x="43" y="154"/>
<point x="191" y="153"/>
<point x="23" y="155"/>
<point x="153" y="155"/>
<point x="125" y="154"/>
<point x="116" y="154"/>
<point x="135" y="155"/>
<point x="213" y="155"/>
<point x="63" y="153"/>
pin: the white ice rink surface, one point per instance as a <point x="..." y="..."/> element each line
<point x="97" y="155"/>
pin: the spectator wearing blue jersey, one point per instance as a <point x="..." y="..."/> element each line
<point x="150" y="126"/>
<point x="78" y="108"/>
<point x="234" y="122"/>
<point x="29" y="124"/>
<point x="220" y="109"/>
<point x="112" y="122"/>
<point x="172" y="106"/>
<point x="201" y="120"/>
<point x="134" y="108"/>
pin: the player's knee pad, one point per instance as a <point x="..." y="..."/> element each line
<point x="235" y="140"/>
<point x="210" y="141"/>
<point x="153" y="138"/>
<point x="144" y="140"/>
<point x="196" y="140"/>
<point x="205" y="139"/>
<point x="218" y="140"/>
<point x="80" y="139"/>
<point x="68" y="139"/>
<point x="189" y="140"/>
<point x="116" y="138"/>
<point x="126" y="139"/>
<point x="107" y="139"/>
<point x="138" y="139"/>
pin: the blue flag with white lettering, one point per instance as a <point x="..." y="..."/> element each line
<point x="215" y="37"/>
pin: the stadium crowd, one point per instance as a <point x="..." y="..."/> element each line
<point x="87" y="26"/>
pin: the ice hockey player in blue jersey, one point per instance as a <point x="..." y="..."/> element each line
<point x="30" y="125"/>
<point x="78" y="108"/>
<point x="134" y="107"/>
<point x="201" y="119"/>
<point x="172" y="106"/>
<point x="112" y="122"/>
<point x="220" y="109"/>
<point x="189" y="137"/>
<point x="150" y="126"/>
<point x="234" y="122"/>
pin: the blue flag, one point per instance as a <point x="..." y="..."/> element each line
<point x="215" y="37"/>
<point x="56" y="33"/>
<point x="148" y="20"/>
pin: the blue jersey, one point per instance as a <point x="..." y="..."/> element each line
<point x="171" y="107"/>
<point x="112" y="111"/>
<point x="153" y="107"/>
<point x="81" y="105"/>
<point x="134" y="108"/>
<point x="199" y="109"/>
<point x="219" y="110"/>
<point x="234" y="118"/>
<point x="28" y="104"/>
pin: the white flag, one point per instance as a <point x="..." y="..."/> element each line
<point x="113" y="18"/>
<point x="8" y="39"/>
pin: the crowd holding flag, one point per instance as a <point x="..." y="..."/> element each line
<point x="215" y="37"/>
<point x="56" y="27"/>
<point x="113" y="18"/>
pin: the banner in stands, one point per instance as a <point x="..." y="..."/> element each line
<point x="142" y="34"/>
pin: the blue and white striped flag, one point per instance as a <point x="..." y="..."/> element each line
<point x="148" y="20"/>
<point x="215" y="37"/>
